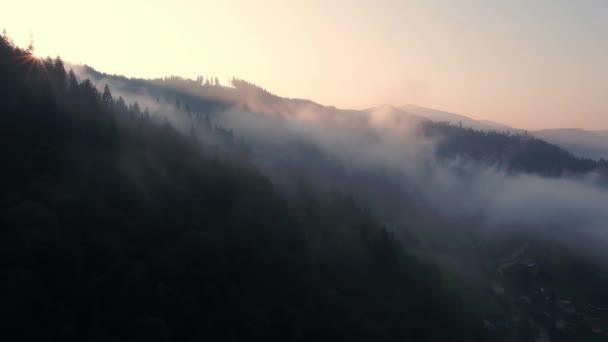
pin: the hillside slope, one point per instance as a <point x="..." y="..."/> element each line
<point x="114" y="226"/>
<point x="589" y="144"/>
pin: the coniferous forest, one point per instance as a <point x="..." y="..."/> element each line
<point x="120" y="224"/>
<point x="115" y="227"/>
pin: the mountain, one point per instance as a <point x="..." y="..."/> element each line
<point x="173" y="209"/>
<point x="117" y="226"/>
<point x="486" y="142"/>
<point x="513" y="152"/>
<point x="497" y="126"/>
<point x="455" y="119"/>
<point x="589" y="144"/>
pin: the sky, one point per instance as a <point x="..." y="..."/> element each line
<point x="529" y="64"/>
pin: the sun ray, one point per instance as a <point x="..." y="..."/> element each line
<point x="35" y="66"/>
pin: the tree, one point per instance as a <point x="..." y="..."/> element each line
<point x="121" y="106"/>
<point x="90" y="91"/>
<point x="30" y="46"/>
<point x="135" y="110"/>
<point x="106" y="98"/>
<point x="6" y="41"/>
<point x="72" y="82"/>
<point x="59" y="74"/>
<point x="4" y="37"/>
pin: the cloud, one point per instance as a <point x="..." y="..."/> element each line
<point x="380" y="157"/>
<point x="387" y="144"/>
<point x="122" y="87"/>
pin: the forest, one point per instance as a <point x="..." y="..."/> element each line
<point x="120" y="222"/>
<point x="116" y="227"/>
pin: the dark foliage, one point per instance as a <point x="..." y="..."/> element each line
<point x="114" y="227"/>
<point x="513" y="152"/>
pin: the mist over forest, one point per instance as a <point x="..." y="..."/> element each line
<point x="502" y="179"/>
<point x="177" y="209"/>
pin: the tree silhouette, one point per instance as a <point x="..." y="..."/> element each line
<point x="117" y="227"/>
<point x="106" y="98"/>
<point x="30" y="46"/>
<point x="59" y="74"/>
<point x="73" y="86"/>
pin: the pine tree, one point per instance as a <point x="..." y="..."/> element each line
<point x="106" y="99"/>
<point x="88" y="88"/>
<point x="59" y="74"/>
<point x="72" y="82"/>
<point x="30" y="46"/>
<point x="135" y="109"/>
<point x="121" y="106"/>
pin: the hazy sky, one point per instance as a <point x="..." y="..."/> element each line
<point x="527" y="63"/>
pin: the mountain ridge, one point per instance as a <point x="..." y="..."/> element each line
<point x="590" y="144"/>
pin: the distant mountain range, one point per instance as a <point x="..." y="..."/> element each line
<point x="580" y="142"/>
<point x="457" y="119"/>
<point x="590" y="144"/>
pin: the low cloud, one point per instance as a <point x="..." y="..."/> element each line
<point x="381" y="158"/>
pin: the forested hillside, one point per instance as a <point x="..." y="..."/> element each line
<point x="512" y="151"/>
<point x="172" y="209"/>
<point x="516" y="152"/>
<point x="114" y="226"/>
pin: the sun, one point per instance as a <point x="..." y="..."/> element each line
<point x="35" y="65"/>
<point x="34" y="58"/>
